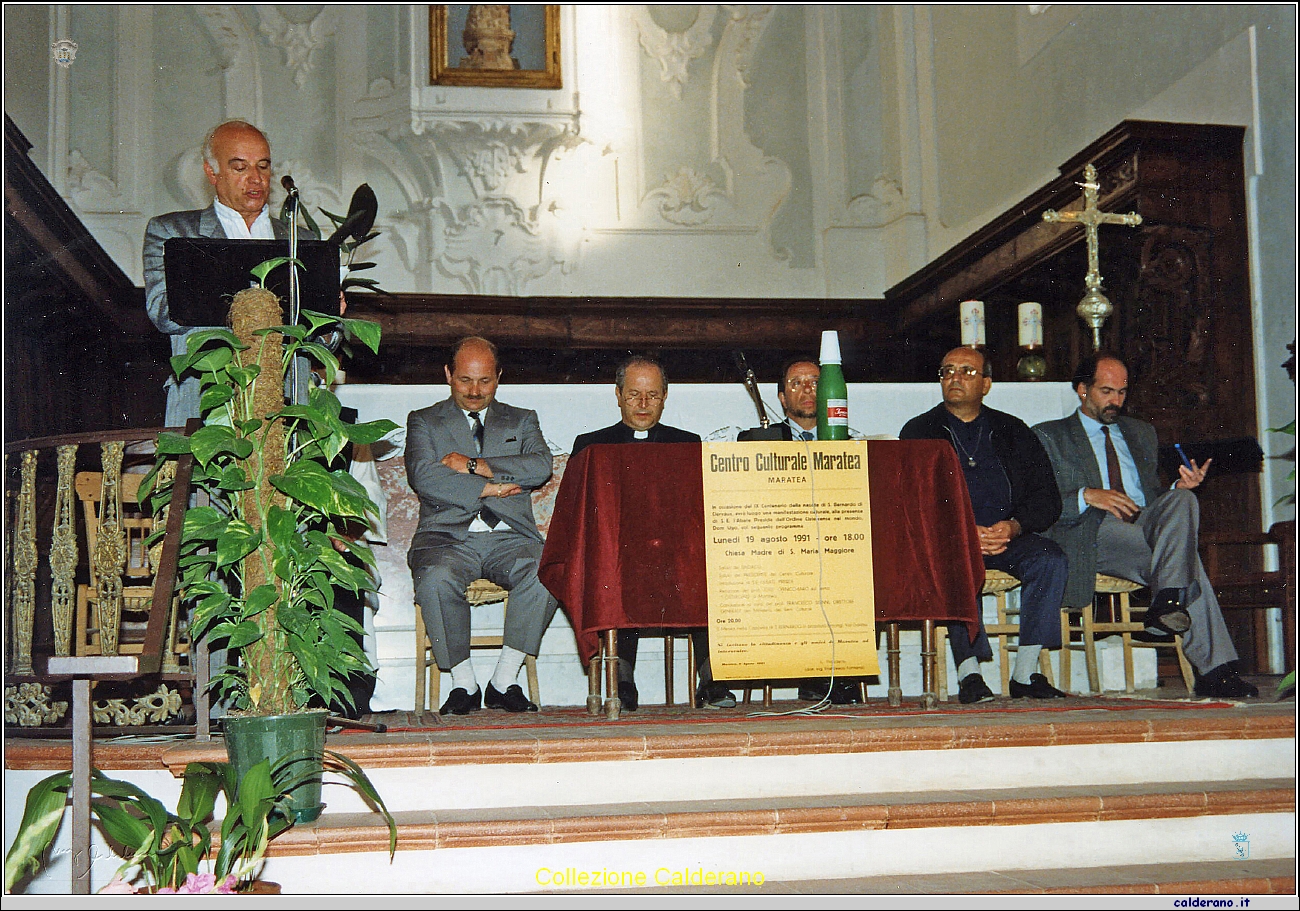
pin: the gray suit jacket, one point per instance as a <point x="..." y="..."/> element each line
<point x="512" y="445"/>
<point x="1075" y="466"/>
<point x="183" y="398"/>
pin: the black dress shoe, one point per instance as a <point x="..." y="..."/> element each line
<point x="845" y="692"/>
<point x="714" y="695"/>
<point x="1167" y="622"/>
<point x="1145" y="635"/>
<point x="814" y="689"/>
<point x="628" y="695"/>
<point x="460" y="702"/>
<point x="1036" y="688"/>
<point x="512" y="700"/>
<point x="1223" y="683"/>
<point x="973" y="689"/>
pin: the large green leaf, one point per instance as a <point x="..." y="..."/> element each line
<point x="316" y="320"/>
<point x="234" y="478"/>
<point x="198" y="793"/>
<point x="263" y="269"/>
<point x="237" y="634"/>
<point x="170" y="443"/>
<point x="364" y="331"/>
<point x="215" y="396"/>
<point x="260" y="598"/>
<point x="237" y="541"/>
<point x="208" y="441"/>
<point x="121" y="826"/>
<point x="203" y="523"/>
<point x="213" y="361"/>
<point x="342" y="765"/>
<point x="330" y="493"/>
<point x="41" y="817"/>
<point x="370" y="432"/>
<point x="195" y="341"/>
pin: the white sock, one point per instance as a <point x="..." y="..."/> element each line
<point x="462" y="675"/>
<point x="968" y="667"/>
<point x="507" y="670"/>
<point x="1026" y="663"/>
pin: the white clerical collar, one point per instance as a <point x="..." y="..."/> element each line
<point x="237" y="229"/>
<point x="640" y="434"/>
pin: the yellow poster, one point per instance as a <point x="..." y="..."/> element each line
<point x="788" y="554"/>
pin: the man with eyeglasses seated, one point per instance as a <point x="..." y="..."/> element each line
<point x="797" y="393"/>
<point x="1014" y="496"/>
<point x="641" y="389"/>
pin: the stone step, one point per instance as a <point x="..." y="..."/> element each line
<point x="519" y="806"/>
<point x="1235" y="878"/>
<point x="756" y="841"/>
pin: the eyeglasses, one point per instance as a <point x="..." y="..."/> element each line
<point x="948" y="371"/>
<point x="809" y="383"/>
<point x="650" y="398"/>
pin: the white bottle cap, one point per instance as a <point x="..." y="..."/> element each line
<point x="830" y="347"/>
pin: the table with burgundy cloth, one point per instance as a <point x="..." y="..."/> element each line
<point x="626" y="544"/>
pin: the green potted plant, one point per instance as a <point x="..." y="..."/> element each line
<point x="260" y="563"/>
<point x="176" y="852"/>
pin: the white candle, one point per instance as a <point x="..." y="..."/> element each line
<point x="1031" y="324"/>
<point x="972" y="323"/>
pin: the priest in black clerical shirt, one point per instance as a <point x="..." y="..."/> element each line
<point x="641" y="388"/>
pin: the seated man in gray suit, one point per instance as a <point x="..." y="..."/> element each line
<point x="237" y="162"/>
<point x="1118" y="520"/>
<point x="641" y="390"/>
<point x="473" y="462"/>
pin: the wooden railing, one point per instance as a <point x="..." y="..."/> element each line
<point x="24" y="665"/>
<point x="61" y="657"/>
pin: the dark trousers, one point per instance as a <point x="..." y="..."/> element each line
<point x="1041" y="567"/>
<point x="627" y="645"/>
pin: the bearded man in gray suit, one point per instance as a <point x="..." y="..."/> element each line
<point x="1118" y="520"/>
<point x="473" y="462"/>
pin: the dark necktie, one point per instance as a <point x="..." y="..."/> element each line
<point x="1112" y="467"/>
<point x="485" y="514"/>
<point x="1112" y="463"/>
<point x="478" y="432"/>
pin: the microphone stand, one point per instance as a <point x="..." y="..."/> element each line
<point x="294" y="289"/>
<point x="765" y="430"/>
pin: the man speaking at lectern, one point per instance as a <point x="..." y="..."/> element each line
<point x="237" y="162"/>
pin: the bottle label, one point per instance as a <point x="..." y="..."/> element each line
<point x="837" y="412"/>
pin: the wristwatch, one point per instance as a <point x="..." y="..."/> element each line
<point x="472" y="466"/>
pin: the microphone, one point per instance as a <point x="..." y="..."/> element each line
<point x="287" y="182"/>
<point x="751" y="386"/>
<point x="361" y="216"/>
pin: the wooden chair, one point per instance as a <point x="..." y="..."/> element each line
<point x="1116" y="591"/>
<point x="100" y="627"/>
<point x="602" y="670"/>
<point x="998" y="584"/>
<point x="1234" y="565"/>
<point x="427" y="673"/>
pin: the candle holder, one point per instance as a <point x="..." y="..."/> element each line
<point x="1032" y="366"/>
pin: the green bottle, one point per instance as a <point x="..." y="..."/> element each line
<point x="832" y="392"/>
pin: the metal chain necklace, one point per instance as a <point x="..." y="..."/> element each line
<point x="969" y="456"/>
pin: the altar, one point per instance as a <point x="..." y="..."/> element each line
<point x="717" y="412"/>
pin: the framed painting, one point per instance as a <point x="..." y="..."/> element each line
<point x="509" y="46"/>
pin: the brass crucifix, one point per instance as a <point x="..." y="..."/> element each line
<point x="1094" y="308"/>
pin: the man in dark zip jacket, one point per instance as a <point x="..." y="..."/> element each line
<point x="1014" y="495"/>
